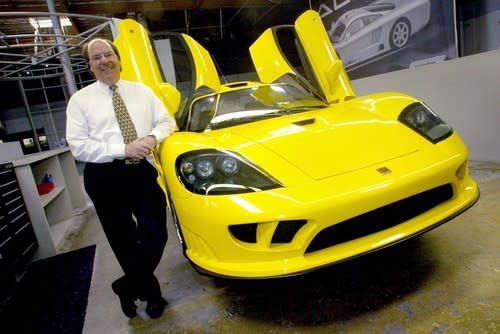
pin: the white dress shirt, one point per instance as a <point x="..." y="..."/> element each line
<point x="92" y="131"/>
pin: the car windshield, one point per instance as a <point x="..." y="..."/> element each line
<point x="249" y="105"/>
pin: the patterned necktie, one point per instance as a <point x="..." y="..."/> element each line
<point x="126" y="126"/>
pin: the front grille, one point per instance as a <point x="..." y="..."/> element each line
<point x="380" y="219"/>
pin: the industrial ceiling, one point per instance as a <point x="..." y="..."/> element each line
<point x="30" y="49"/>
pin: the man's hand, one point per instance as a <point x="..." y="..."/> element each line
<point x="140" y="148"/>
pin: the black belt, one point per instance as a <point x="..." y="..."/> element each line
<point x="128" y="161"/>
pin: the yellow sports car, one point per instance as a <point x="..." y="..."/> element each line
<point x="295" y="172"/>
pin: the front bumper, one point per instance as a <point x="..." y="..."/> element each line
<point x="214" y="248"/>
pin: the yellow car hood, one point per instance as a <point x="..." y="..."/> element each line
<point x="326" y="143"/>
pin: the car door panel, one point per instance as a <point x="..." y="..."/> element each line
<point x="322" y="67"/>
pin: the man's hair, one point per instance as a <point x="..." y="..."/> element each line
<point x="85" y="49"/>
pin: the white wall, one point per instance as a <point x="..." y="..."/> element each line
<point x="465" y="92"/>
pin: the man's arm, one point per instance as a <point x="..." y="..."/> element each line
<point x="83" y="147"/>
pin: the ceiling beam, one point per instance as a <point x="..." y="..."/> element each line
<point x="114" y="7"/>
<point x="109" y="8"/>
<point x="31" y="6"/>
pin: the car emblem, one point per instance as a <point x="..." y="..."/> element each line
<point x="383" y="170"/>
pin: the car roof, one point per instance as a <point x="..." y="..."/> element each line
<point x="380" y="7"/>
<point x="353" y="14"/>
<point x="366" y="10"/>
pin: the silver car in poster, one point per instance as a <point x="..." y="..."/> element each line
<point x="362" y="33"/>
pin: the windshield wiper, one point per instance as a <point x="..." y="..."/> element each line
<point x="298" y="109"/>
<point x="242" y="120"/>
<point x="253" y="118"/>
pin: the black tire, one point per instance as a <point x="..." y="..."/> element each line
<point x="400" y="33"/>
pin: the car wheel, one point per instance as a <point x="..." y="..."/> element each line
<point x="177" y="225"/>
<point x="400" y="34"/>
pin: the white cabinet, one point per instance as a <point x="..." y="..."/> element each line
<point x="51" y="214"/>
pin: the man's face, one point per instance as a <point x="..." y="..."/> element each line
<point x="104" y="62"/>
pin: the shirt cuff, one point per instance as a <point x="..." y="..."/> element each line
<point x="117" y="150"/>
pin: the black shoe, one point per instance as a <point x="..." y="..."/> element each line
<point x="155" y="307"/>
<point x="127" y="302"/>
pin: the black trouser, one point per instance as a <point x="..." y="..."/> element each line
<point x="119" y="193"/>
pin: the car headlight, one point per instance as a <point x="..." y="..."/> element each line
<point x="218" y="172"/>
<point x="421" y="119"/>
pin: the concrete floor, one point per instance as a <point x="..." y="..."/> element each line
<point x="445" y="281"/>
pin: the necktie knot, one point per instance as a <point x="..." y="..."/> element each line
<point x="113" y="88"/>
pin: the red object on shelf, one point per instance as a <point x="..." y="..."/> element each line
<point x="45" y="188"/>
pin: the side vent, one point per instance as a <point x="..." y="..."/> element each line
<point x="286" y="230"/>
<point x="244" y="232"/>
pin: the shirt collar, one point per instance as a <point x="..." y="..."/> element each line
<point x="105" y="87"/>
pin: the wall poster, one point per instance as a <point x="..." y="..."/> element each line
<point x="374" y="37"/>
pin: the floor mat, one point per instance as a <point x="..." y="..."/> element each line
<point x="52" y="297"/>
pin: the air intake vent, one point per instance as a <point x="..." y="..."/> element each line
<point x="244" y="232"/>
<point x="381" y="218"/>
<point x="286" y="230"/>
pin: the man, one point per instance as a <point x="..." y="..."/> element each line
<point x="117" y="176"/>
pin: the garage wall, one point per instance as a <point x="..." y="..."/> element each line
<point x="465" y="92"/>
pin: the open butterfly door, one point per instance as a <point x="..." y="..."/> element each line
<point x="302" y="52"/>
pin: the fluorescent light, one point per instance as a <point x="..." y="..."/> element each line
<point x="47" y="23"/>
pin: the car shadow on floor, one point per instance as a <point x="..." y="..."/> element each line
<point x="338" y="292"/>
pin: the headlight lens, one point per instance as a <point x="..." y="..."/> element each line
<point x="421" y="119"/>
<point x="218" y="172"/>
<point x="228" y="165"/>
<point x="204" y="168"/>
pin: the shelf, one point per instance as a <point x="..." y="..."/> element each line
<point x="45" y="199"/>
<point x="51" y="214"/>
<point x="29" y="159"/>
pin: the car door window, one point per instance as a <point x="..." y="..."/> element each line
<point x="370" y="19"/>
<point x="354" y="27"/>
<point x="336" y="34"/>
<point x="293" y="52"/>
<point x="202" y="112"/>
